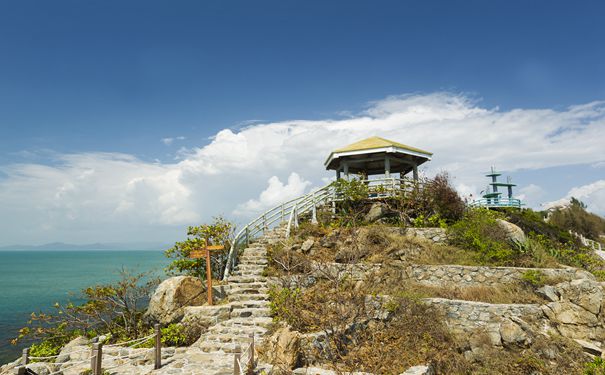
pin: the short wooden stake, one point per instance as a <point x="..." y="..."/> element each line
<point x="21" y="370"/>
<point x="251" y="365"/>
<point x="158" y="346"/>
<point x="96" y="358"/>
<point x="25" y="357"/>
<point x="237" y="355"/>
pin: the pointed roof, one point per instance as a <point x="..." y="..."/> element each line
<point x="378" y="142"/>
<point x="369" y="156"/>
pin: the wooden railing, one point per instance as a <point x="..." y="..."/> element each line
<point x="243" y="360"/>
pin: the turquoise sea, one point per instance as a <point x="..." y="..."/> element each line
<point x="35" y="280"/>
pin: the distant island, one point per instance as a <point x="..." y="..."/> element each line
<point x="94" y="246"/>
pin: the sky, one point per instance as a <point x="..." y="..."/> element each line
<point x="130" y="120"/>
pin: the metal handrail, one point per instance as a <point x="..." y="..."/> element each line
<point x="496" y="202"/>
<point x="301" y="205"/>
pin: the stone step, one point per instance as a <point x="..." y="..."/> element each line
<point x="244" y="267"/>
<point x="248" y="272"/>
<point x="243" y="331"/>
<point x="250" y="304"/>
<point x="234" y="298"/>
<point x="260" y="261"/>
<point x="247" y="279"/>
<point x="251" y="312"/>
<point x="236" y="290"/>
<point x="265" y="322"/>
<point x="247" y="285"/>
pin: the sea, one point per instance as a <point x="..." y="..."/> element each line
<point x="32" y="281"/>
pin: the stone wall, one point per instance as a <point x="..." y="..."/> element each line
<point x="454" y="275"/>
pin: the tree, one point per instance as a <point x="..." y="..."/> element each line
<point x="219" y="232"/>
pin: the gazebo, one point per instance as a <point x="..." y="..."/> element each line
<point x="377" y="156"/>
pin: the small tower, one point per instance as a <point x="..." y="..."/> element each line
<point x="493" y="198"/>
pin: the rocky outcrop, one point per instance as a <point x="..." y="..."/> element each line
<point x="514" y="234"/>
<point x="283" y="349"/>
<point x="172" y="296"/>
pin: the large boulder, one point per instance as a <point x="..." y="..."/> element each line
<point x="377" y="211"/>
<point x="283" y="349"/>
<point x="172" y="296"/>
<point x="514" y="234"/>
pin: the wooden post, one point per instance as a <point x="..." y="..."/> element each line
<point x="96" y="358"/>
<point x="237" y="354"/>
<point x="247" y="236"/>
<point x="209" y="276"/>
<point x="158" y="346"/>
<point x="25" y="357"/>
<point x="251" y="365"/>
<point x="21" y="370"/>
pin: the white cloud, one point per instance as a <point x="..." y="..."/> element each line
<point x="100" y="197"/>
<point x="592" y="194"/>
<point x="531" y="195"/>
<point x="170" y="140"/>
<point x="275" y="193"/>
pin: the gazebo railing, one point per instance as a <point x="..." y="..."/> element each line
<point x="292" y="209"/>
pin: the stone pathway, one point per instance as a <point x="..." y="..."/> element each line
<point x="250" y="315"/>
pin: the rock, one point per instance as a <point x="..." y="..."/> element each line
<point x="549" y="292"/>
<point x="569" y="313"/>
<point x="377" y="211"/>
<point x="75" y="345"/>
<point x="197" y="319"/>
<point x="41" y="368"/>
<point x="283" y="349"/>
<point x="307" y="245"/>
<point x="583" y="292"/>
<point x="513" y="232"/>
<point x="590" y="348"/>
<point x="171" y="296"/>
<point x="512" y="333"/>
<point x="419" y="370"/>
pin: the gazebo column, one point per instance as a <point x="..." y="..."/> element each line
<point x="345" y="167"/>
<point x="415" y="170"/>
<point x="338" y="174"/>
<point x="387" y="167"/>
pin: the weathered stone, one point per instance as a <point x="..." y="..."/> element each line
<point x="419" y="370"/>
<point x="283" y="348"/>
<point x="197" y="319"/>
<point x="377" y="211"/>
<point x="569" y="313"/>
<point x="583" y="292"/>
<point x="549" y="292"/>
<point x="512" y="333"/>
<point x="513" y="232"/>
<point x="590" y="347"/>
<point x="171" y="296"/>
<point x="73" y="350"/>
<point x="307" y="245"/>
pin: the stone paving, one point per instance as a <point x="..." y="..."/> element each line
<point x="250" y="315"/>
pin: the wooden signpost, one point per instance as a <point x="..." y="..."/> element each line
<point x="205" y="253"/>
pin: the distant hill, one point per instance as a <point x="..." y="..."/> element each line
<point x="86" y="247"/>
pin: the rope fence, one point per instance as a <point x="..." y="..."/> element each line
<point x="96" y="355"/>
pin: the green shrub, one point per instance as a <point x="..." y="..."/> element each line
<point x="596" y="367"/>
<point x="479" y="231"/>
<point x="534" y="278"/>
<point x="577" y="219"/>
<point x="219" y="232"/>
<point x="174" y="335"/>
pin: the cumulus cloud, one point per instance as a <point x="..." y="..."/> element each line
<point x="275" y="193"/>
<point x="93" y="197"/>
<point x="592" y="194"/>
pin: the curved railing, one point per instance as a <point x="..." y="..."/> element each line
<point x="496" y="202"/>
<point x="292" y="209"/>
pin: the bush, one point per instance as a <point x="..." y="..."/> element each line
<point x="114" y="309"/>
<point x="577" y="219"/>
<point x="596" y="367"/>
<point x="219" y="232"/>
<point x="446" y="202"/>
<point x="479" y="231"/>
<point x="174" y="335"/>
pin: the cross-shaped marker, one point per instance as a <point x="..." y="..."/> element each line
<point x="205" y="252"/>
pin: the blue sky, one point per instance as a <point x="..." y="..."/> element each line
<point x="84" y="81"/>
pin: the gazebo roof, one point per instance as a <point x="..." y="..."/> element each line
<point x="368" y="156"/>
<point x="378" y="142"/>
